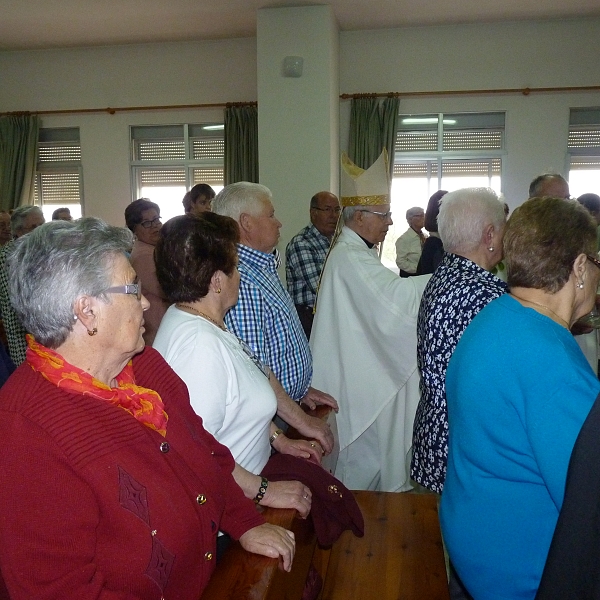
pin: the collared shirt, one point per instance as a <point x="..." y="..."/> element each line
<point x="266" y="319"/>
<point x="304" y="257"/>
<point x="456" y="292"/>
<point x="15" y="333"/>
<point x="408" y="250"/>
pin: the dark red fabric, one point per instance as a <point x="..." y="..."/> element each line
<point x="334" y="508"/>
<point x="94" y="505"/>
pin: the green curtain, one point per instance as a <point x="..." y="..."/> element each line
<point x="364" y="145"/>
<point x="388" y="113"/>
<point x="372" y="128"/>
<point x="18" y="152"/>
<point x="241" y="144"/>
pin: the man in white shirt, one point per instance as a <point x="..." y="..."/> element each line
<point x="410" y="244"/>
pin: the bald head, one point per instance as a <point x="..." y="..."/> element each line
<point x="549" y="185"/>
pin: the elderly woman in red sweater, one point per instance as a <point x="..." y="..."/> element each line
<point x="112" y="488"/>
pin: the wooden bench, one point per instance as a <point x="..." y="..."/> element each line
<point x="400" y="556"/>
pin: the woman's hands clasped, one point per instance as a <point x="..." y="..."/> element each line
<point x="271" y="540"/>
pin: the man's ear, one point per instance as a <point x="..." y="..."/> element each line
<point x="246" y="223"/>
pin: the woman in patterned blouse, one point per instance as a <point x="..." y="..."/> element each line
<point x="471" y="224"/>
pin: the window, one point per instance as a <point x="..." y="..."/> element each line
<point x="441" y="151"/>
<point x="168" y="160"/>
<point x="59" y="176"/>
<point x="584" y="151"/>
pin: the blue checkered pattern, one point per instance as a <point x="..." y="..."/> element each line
<point x="266" y="319"/>
<point x="304" y="258"/>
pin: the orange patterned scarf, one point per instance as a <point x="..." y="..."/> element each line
<point x="144" y="404"/>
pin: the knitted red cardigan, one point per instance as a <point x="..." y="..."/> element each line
<point x="93" y="504"/>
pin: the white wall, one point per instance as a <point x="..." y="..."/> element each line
<point x="298" y="122"/>
<point x="491" y="56"/>
<point x="137" y="75"/>
<point x="512" y="55"/>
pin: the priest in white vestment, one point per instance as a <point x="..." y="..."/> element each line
<point x="364" y="339"/>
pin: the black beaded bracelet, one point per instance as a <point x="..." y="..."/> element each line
<point x="264" y="484"/>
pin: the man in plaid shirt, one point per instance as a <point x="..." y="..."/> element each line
<point x="306" y="252"/>
<point x="265" y="317"/>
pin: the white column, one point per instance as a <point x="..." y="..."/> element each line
<point x="298" y="117"/>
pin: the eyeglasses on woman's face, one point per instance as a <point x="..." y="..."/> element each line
<point x="593" y="259"/>
<point x="135" y="289"/>
<point x="153" y="223"/>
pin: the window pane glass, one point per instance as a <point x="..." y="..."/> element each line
<point x="208" y="149"/>
<point x="214" y="177"/>
<point x="196" y="153"/>
<point x="75" y="210"/>
<point x="584" y="151"/>
<point x="415" y="178"/>
<point x="168" y="199"/>
<point x="584" y="116"/>
<point x="58" y="181"/>
<point x="584" y="137"/>
<point x="584" y="175"/>
<point x="487" y="120"/>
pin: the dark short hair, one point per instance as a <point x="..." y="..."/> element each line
<point x="58" y="211"/>
<point x="536" y="184"/>
<point x="133" y="213"/>
<point x="190" y="250"/>
<point x="542" y="239"/>
<point x="200" y="189"/>
<point x="590" y="201"/>
<point x="433" y="208"/>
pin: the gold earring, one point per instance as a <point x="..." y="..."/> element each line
<point x="92" y="332"/>
<point x="218" y="290"/>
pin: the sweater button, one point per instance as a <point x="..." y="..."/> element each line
<point x="200" y="499"/>
<point x="164" y="447"/>
<point x="208" y="556"/>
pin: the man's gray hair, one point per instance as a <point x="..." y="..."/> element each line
<point x="55" y="264"/>
<point x="536" y="186"/>
<point x="413" y="212"/>
<point x="349" y="211"/>
<point x="17" y="219"/>
<point x="464" y="214"/>
<point x="241" y="197"/>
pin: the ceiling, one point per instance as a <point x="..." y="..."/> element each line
<point x="31" y="24"/>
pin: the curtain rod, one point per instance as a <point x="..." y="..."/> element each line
<point x="525" y="91"/>
<point x="112" y="111"/>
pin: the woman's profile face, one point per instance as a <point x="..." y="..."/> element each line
<point x="590" y="287"/>
<point x="121" y="320"/>
<point x="148" y="230"/>
<point x="230" y="287"/>
<point x="201" y="204"/>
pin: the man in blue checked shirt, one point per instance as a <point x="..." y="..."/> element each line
<point x="265" y="316"/>
<point x="306" y="252"/>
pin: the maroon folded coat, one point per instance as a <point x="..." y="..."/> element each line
<point x="334" y="508"/>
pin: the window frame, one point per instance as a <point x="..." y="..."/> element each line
<point x="187" y="162"/>
<point x="58" y="137"/>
